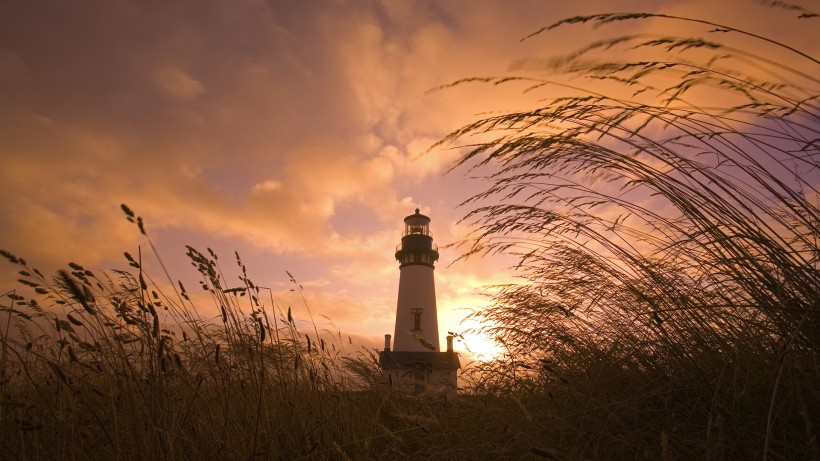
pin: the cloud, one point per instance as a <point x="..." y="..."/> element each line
<point x="176" y="83"/>
<point x="295" y="130"/>
<point x="11" y="66"/>
<point x="267" y="185"/>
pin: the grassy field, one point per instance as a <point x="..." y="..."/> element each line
<point x="113" y="366"/>
<point x="114" y="375"/>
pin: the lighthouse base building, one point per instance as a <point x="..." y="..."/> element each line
<point x="415" y="364"/>
<point x="420" y="372"/>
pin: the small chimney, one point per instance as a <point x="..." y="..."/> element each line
<point x="387" y="343"/>
<point x="449" y="343"/>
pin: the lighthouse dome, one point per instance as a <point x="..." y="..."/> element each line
<point x="417" y="245"/>
<point x="417" y="224"/>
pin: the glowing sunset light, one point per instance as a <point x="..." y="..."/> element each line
<point x="480" y="346"/>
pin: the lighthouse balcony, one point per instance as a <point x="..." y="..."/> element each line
<point x="400" y="247"/>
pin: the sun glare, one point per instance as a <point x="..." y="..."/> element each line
<point x="478" y="346"/>
<point x="481" y="347"/>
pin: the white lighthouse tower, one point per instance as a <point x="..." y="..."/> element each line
<point x="416" y="319"/>
<point x="416" y="364"/>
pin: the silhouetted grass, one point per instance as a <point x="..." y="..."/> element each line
<point x="120" y="365"/>
<point x="667" y="230"/>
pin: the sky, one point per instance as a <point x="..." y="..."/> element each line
<point x="295" y="133"/>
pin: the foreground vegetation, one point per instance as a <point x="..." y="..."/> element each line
<point x="122" y="366"/>
<point x="668" y="307"/>
<point x="665" y="210"/>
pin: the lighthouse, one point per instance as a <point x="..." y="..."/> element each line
<point x="416" y="319"/>
<point x="414" y="363"/>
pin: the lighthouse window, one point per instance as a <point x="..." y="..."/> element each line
<point x="417" y="319"/>
<point x="416" y="229"/>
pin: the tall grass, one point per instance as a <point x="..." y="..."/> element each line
<point x="123" y="366"/>
<point x="666" y="217"/>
